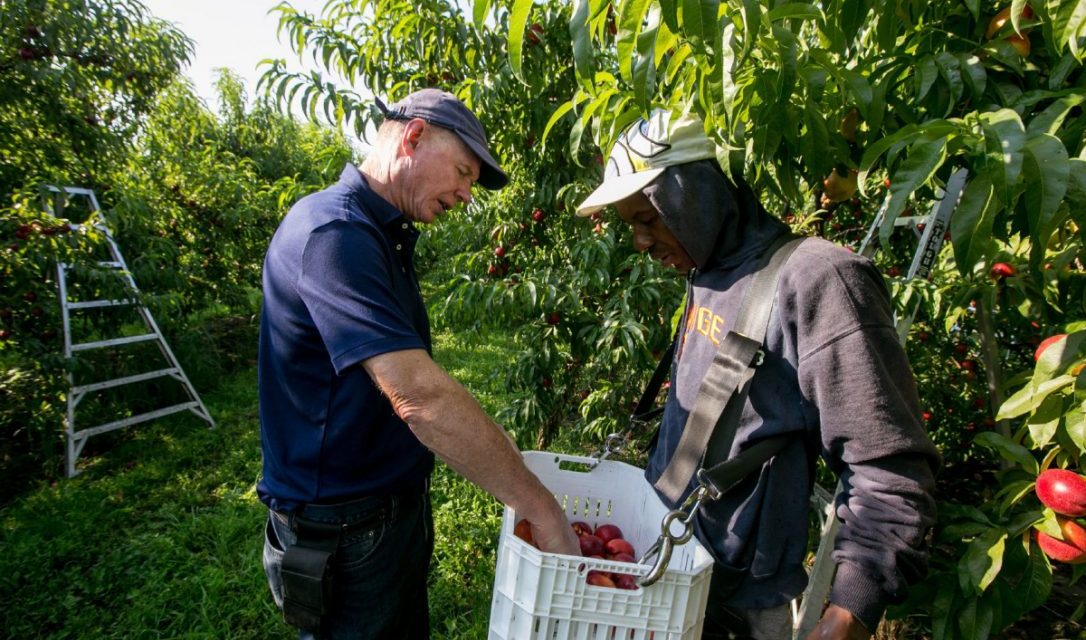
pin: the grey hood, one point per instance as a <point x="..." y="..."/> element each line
<point x="719" y="223"/>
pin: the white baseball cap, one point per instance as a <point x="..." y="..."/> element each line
<point x="642" y="153"/>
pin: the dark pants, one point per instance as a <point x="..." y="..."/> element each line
<point x="729" y="623"/>
<point x="380" y="570"/>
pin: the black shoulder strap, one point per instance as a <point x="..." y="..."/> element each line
<point x="727" y="380"/>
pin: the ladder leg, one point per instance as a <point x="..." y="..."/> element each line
<point x="54" y="200"/>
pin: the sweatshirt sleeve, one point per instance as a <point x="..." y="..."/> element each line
<point x="855" y="373"/>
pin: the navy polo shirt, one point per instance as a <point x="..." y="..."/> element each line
<point x="339" y="288"/>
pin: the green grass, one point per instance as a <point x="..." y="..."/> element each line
<point x="161" y="535"/>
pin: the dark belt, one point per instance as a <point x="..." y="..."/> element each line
<point x="352" y="515"/>
<point x="307" y="571"/>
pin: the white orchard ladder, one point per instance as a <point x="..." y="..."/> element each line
<point x="54" y="200"/>
<point x="931" y="231"/>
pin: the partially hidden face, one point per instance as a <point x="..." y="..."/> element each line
<point x="442" y="173"/>
<point x="651" y="234"/>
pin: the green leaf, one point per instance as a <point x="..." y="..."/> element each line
<point x="1036" y="584"/>
<point x="947" y="64"/>
<point x="630" y="19"/>
<point x="1068" y="21"/>
<point x="975" y="75"/>
<point x="691" y="23"/>
<point x="559" y="113"/>
<point x="1017" y="6"/>
<point x="1005" y="138"/>
<point x="585" y="119"/>
<point x="1008" y="449"/>
<point x="644" y="63"/>
<point x="861" y="90"/>
<point x="971" y="224"/>
<point x="926" y="75"/>
<point x="480" y="9"/>
<point x="1046" y="171"/>
<point x="1045" y="420"/>
<point x="1051" y="119"/>
<point x="751" y="11"/>
<point x="1076" y="189"/>
<point x="982" y="561"/>
<point x="1076" y="428"/>
<point x="581" y="36"/>
<point x="925" y="157"/>
<point x="943" y="609"/>
<point x="800" y="10"/>
<point x="518" y="21"/>
<point x="975" y="620"/>
<point x="670" y="11"/>
<point x="904" y="135"/>
<point x="1030" y="396"/>
<point x="815" y="141"/>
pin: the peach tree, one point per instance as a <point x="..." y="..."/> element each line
<point x="90" y="96"/>
<point x="875" y="104"/>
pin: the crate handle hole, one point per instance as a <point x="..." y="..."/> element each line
<point x="573" y="465"/>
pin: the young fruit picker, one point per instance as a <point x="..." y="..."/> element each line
<point x="352" y="407"/>
<point x="833" y="381"/>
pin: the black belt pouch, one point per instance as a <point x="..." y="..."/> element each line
<point x="307" y="574"/>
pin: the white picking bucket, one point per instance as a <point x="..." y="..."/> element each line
<point x="545" y="596"/>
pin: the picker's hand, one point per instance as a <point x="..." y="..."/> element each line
<point x="839" y="624"/>
<point x="553" y="534"/>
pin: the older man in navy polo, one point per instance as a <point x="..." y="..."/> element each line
<point x="352" y="407"/>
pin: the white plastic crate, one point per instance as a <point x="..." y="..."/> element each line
<point x="545" y="596"/>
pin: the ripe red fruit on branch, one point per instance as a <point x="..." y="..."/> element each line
<point x="1001" y="270"/>
<point x="1001" y="18"/>
<point x="535" y="33"/>
<point x="1020" y="43"/>
<point x="839" y="187"/>
<point x="1046" y="343"/>
<point x="1060" y="550"/>
<point x="499" y="251"/>
<point x="1073" y="533"/>
<point x="26" y="53"/>
<point x="554" y="318"/>
<point x="1063" y="491"/>
<point x="538" y="215"/>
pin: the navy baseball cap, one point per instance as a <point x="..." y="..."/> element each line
<point x="445" y="110"/>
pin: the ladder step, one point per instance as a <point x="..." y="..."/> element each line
<point x="95" y="304"/>
<point x="112" y="264"/>
<point x="118" y="382"/>
<point x="86" y="346"/>
<point x="143" y="417"/>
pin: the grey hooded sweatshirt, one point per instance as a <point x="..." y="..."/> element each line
<point x="834" y="375"/>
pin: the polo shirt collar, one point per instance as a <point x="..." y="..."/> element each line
<point x="383" y="212"/>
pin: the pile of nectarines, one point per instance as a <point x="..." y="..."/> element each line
<point x="605" y="542"/>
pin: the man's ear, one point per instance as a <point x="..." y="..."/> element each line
<point x="412" y="133"/>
